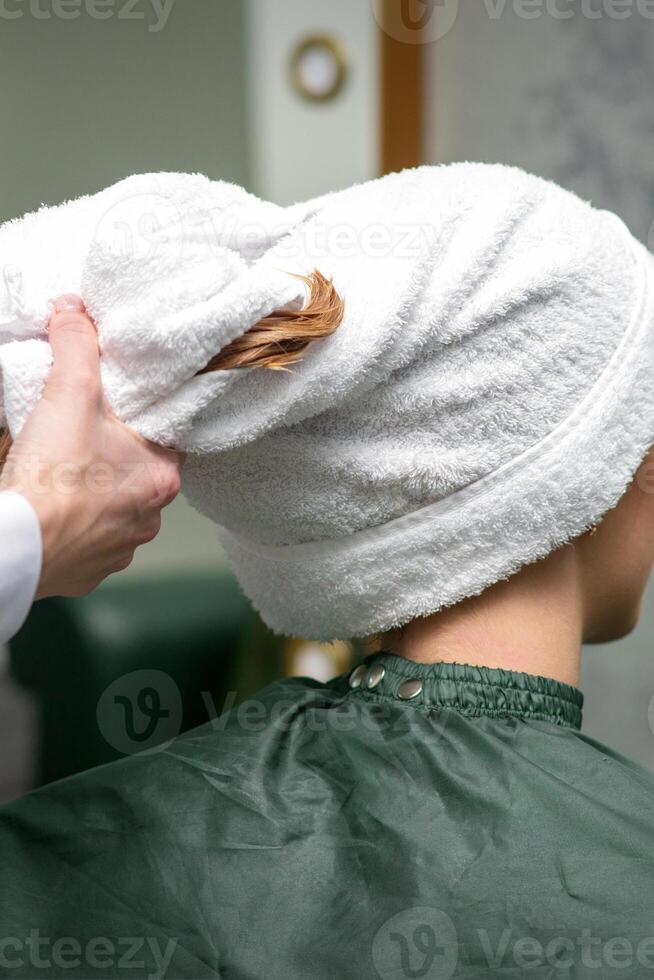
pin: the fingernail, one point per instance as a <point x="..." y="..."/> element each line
<point x="69" y="302"/>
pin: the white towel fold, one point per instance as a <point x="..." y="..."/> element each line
<point x="488" y="396"/>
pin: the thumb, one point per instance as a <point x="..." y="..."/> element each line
<point x="74" y="343"/>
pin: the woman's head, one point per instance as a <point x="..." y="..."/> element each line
<point x="486" y="399"/>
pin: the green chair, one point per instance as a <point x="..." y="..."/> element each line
<point x="130" y="666"/>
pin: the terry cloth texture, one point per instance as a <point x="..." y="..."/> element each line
<point x="488" y="396"/>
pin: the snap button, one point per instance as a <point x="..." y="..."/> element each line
<point x="410" y="689"/>
<point x="375" y="676"/>
<point x="357" y="675"/>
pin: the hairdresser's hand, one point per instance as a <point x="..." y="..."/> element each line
<point x="98" y="488"/>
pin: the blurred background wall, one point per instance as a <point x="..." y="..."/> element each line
<point x="85" y="102"/>
<point x="205" y="85"/>
<point x="300" y="148"/>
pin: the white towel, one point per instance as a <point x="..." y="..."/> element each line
<point x="488" y="396"/>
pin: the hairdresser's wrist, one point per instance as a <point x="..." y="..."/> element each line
<point x="52" y="514"/>
<point x="52" y="518"/>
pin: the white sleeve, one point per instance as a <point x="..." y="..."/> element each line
<point x="21" y="555"/>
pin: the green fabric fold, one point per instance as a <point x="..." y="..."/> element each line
<point x="324" y="831"/>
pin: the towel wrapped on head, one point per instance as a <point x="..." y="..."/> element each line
<point x="488" y="394"/>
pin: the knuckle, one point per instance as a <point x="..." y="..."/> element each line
<point x="160" y="487"/>
<point x="169" y="485"/>
<point x="86" y="588"/>
<point x="72" y="321"/>
<point x="122" y="563"/>
<point x="60" y="385"/>
<point x="150" y="530"/>
<point x="175" y="481"/>
<point x="86" y="383"/>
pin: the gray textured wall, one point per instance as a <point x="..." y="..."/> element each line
<point x="570" y="99"/>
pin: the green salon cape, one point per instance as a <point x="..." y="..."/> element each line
<point x="404" y="821"/>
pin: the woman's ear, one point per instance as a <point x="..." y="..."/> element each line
<point x="617" y="557"/>
<point x="280" y="338"/>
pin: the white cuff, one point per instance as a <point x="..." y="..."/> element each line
<point x="21" y="555"/>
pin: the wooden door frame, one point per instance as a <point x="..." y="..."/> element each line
<point x="402" y="95"/>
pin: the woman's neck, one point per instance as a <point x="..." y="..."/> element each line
<point x="533" y="622"/>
